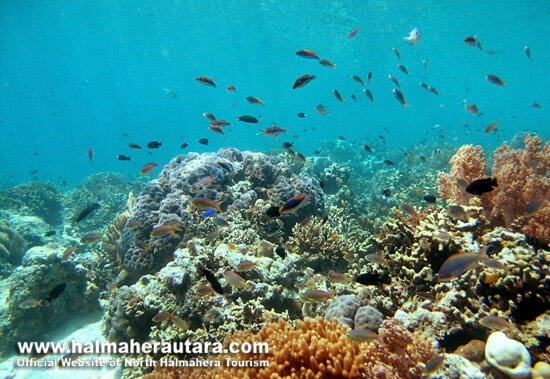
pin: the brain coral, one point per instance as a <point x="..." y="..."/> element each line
<point x="316" y="348"/>
<point x="237" y="179"/>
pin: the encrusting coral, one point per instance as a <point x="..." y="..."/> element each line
<point x="522" y="178"/>
<point x="317" y="348"/>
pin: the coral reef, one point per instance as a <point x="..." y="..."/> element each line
<point x="43" y="269"/>
<point x="316" y="348"/>
<point x="522" y="177"/>
<point x="236" y="179"/>
<point x="110" y="190"/>
<point x="39" y="199"/>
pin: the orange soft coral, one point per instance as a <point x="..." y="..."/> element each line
<point x="317" y="348"/>
<point x="522" y="175"/>
<point x="467" y="165"/>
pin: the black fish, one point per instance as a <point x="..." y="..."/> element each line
<point x="247" y="118"/>
<point x="480" y="186"/>
<point x="302" y="81"/>
<point x="273" y="212"/>
<point x="366" y="148"/>
<point x="121" y="157"/>
<point x="85" y="212"/>
<point x="325" y="218"/>
<point x="373" y="279"/>
<point x="386" y="192"/>
<point x="203" y="141"/>
<point x="341" y="138"/>
<point x="280" y="252"/>
<point x="154" y="144"/>
<point x="321" y="184"/>
<point x="216" y="286"/>
<point x="388" y="162"/>
<point x="430" y="199"/>
<point x="184" y="145"/>
<point x="57" y="290"/>
<point x="301" y="115"/>
<point x="316" y="152"/>
<point x="49" y="233"/>
<point x="287" y="145"/>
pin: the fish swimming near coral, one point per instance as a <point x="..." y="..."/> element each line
<point x="274" y="130"/>
<point x="481" y="186"/>
<point x="216" y="286"/>
<point x="55" y="292"/>
<point x="457" y="212"/>
<point x="205" y="203"/>
<point x="86" y="212"/>
<point x="496" y="323"/>
<point x="246" y="265"/>
<point x="163" y="316"/>
<point x="235" y="279"/>
<point x="316" y="296"/>
<point x="91" y="238"/>
<point x="294" y="203"/>
<point x="163" y="231"/>
<point x="434" y="364"/>
<point x="362" y="335"/>
<point x="458" y="264"/>
<point x="148" y="168"/>
<point x="31" y="303"/>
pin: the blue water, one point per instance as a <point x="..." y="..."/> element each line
<point x="75" y="75"/>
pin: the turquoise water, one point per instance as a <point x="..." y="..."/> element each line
<point x="74" y="76"/>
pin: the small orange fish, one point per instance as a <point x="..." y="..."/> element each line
<point x="205" y="291"/>
<point x="232" y="246"/>
<point x="163" y="231"/>
<point x="491" y="127"/>
<point x="338" y="277"/>
<point x="314" y="295"/>
<point x="246" y="265"/>
<point x="204" y="203"/>
<point x="326" y="63"/>
<point x="219" y="123"/>
<point x="491" y="278"/>
<point x="235" y="279"/>
<point x="206" y="80"/>
<point x="254" y="100"/>
<point x="274" y="130"/>
<point x="163" y="316"/>
<point x="333" y="236"/>
<point x="307" y="54"/>
<point x="148" y="168"/>
<point x="216" y="129"/>
<point x="353" y="33"/>
<point x="231" y="88"/>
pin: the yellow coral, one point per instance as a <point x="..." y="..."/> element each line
<point x="317" y="348"/>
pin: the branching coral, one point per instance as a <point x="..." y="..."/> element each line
<point x="316" y="348"/>
<point x="40" y="199"/>
<point x="522" y="176"/>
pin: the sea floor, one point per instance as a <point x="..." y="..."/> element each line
<point x="87" y="333"/>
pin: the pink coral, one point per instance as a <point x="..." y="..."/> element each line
<point x="467" y="165"/>
<point x="522" y="175"/>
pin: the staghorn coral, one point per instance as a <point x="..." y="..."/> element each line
<point x="316" y="348"/>
<point x="522" y="176"/>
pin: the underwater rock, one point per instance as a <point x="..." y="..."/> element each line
<point x="541" y="370"/>
<point x="343" y="308"/>
<point x="474" y="351"/>
<point x="457" y="367"/>
<point x="368" y="317"/>
<point x="508" y="355"/>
